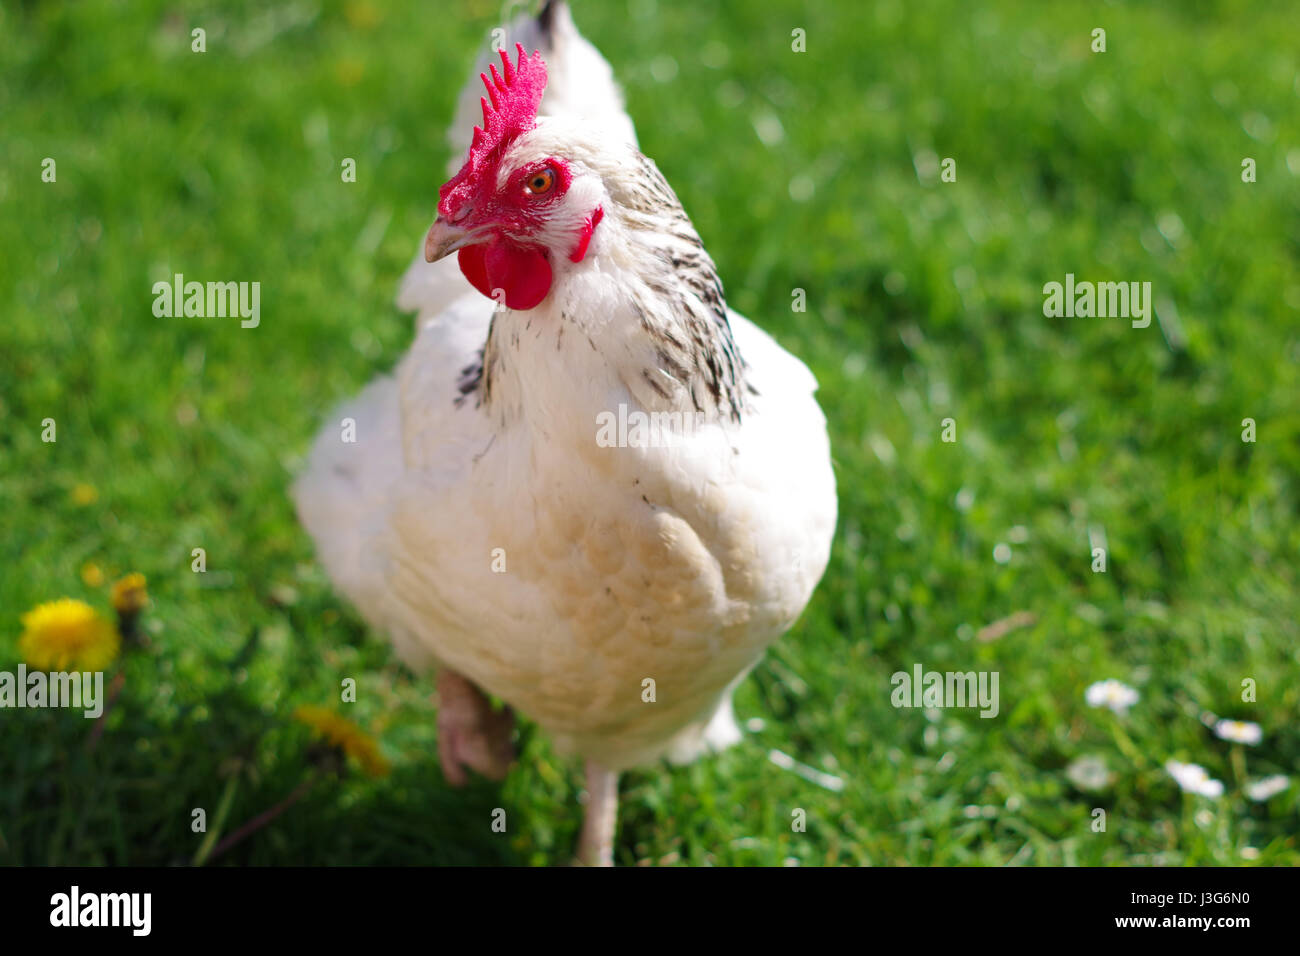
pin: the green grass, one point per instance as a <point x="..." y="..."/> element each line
<point x="924" y="303"/>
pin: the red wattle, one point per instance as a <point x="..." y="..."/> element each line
<point x="584" y="238"/>
<point x="472" y="267"/>
<point x="521" y="272"/>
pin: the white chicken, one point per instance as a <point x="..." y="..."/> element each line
<point x="589" y="489"/>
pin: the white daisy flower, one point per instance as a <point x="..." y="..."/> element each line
<point x="1239" y="731"/>
<point x="1089" y="773"/>
<point x="1193" y="778"/>
<point x="1117" y="696"/>
<point x="1268" y="787"/>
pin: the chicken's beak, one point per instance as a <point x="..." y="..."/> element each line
<point x="444" y="239"/>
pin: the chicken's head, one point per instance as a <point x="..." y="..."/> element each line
<point x="518" y="208"/>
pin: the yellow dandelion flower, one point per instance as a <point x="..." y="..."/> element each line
<point x="84" y="494"/>
<point x="342" y="733"/>
<point x="68" y="635"/>
<point x="130" y="595"/>
<point x="363" y="16"/>
<point x="349" y="71"/>
<point x="92" y="575"/>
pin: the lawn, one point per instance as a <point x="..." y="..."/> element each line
<point x="820" y="171"/>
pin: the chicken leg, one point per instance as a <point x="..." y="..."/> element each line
<point x="596" y="844"/>
<point x="470" y="732"/>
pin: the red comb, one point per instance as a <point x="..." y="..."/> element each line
<point x="512" y="110"/>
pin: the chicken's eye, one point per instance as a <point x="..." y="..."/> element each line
<point x="541" y="182"/>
